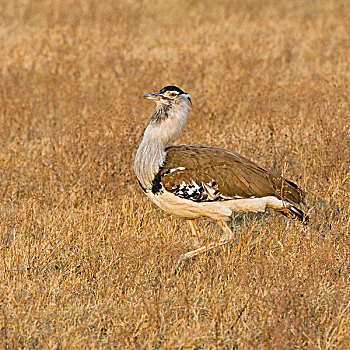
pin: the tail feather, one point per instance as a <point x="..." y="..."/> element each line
<point x="288" y="190"/>
<point x="295" y="213"/>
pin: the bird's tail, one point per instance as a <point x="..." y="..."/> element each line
<point x="295" y="213"/>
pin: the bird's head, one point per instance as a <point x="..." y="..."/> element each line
<point x="170" y="96"/>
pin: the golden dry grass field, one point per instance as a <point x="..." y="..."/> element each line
<point x="86" y="260"/>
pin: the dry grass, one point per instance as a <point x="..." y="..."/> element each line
<point x="86" y="261"/>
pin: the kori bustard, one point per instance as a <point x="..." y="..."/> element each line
<point x="199" y="181"/>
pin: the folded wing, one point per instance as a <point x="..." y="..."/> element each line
<point x="204" y="174"/>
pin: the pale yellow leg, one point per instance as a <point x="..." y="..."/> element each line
<point x="227" y="237"/>
<point x="195" y="237"/>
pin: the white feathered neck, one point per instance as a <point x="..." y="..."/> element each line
<point x="165" y="126"/>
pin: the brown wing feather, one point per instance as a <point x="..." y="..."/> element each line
<point x="235" y="176"/>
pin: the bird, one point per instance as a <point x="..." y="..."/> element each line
<point x="193" y="182"/>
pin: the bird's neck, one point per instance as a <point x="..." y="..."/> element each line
<point x="164" y="127"/>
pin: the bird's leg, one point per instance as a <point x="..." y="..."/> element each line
<point x="195" y="237"/>
<point x="227" y="231"/>
<point x="226" y="238"/>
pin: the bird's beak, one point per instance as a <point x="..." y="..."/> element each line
<point x="154" y="96"/>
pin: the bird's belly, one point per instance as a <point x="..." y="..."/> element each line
<point x="188" y="209"/>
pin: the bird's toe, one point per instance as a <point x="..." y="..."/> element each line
<point x="181" y="262"/>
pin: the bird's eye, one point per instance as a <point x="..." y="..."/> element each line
<point x="173" y="94"/>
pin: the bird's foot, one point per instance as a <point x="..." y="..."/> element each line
<point x="195" y="243"/>
<point x="181" y="262"/>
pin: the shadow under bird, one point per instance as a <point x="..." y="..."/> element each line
<point x="204" y="182"/>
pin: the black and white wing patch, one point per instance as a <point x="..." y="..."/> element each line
<point x="202" y="192"/>
<point x="178" y="182"/>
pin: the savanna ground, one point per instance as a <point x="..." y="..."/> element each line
<point x="86" y="260"/>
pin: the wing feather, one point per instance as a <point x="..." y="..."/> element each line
<point x="217" y="174"/>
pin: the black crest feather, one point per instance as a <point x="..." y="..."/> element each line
<point x="171" y="88"/>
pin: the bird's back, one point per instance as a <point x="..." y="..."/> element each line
<point x="220" y="175"/>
